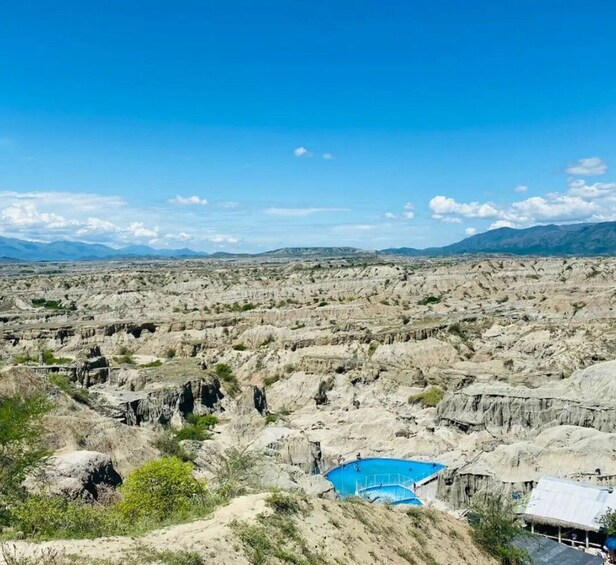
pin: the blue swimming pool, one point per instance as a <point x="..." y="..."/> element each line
<point x="377" y="479"/>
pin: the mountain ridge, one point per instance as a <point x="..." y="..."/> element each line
<point x="596" y="239"/>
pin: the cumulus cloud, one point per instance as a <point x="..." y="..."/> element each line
<point x="581" y="202"/>
<point x="26" y="215"/>
<point x="296" y="212"/>
<point x="409" y="211"/>
<point x="301" y="151"/>
<point x="591" y="166"/>
<point x="188" y="201"/>
<point x="442" y="205"/>
<point x="470" y="231"/>
<point x="390" y="216"/>
<point x="328" y="156"/>
<point x="520" y="188"/>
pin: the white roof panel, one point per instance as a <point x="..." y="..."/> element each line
<point x="569" y="503"/>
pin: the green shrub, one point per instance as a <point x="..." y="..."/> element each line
<point x="429" y="300"/>
<point x="170" y="353"/>
<point x="49" y="359"/>
<point x="49" y="304"/>
<point x="271" y="419"/>
<point x="495" y="526"/>
<point x="127" y="359"/>
<point x="225" y="374"/>
<point x="430" y="397"/>
<point x="159" y="488"/>
<point x="168" y="444"/>
<point x="269" y="381"/>
<point x="151" y="364"/>
<point x="21" y="358"/>
<point x="79" y="394"/>
<point x="283" y="503"/>
<point x="239" y="347"/>
<point x="22" y="444"/>
<point x="198" y="428"/>
<point x="57" y="517"/>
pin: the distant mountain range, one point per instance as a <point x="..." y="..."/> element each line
<point x="20" y="250"/>
<point x="574" y="239"/>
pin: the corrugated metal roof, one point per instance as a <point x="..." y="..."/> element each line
<point x="545" y="551"/>
<point x="560" y="502"/>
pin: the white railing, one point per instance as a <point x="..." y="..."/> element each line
<point x="399" y="487"/>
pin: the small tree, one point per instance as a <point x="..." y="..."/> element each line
<point x="158" y="489"/>
<point x="608" y="520"/>
<point x="22" y="446"/>
<point x="496" y="526"/>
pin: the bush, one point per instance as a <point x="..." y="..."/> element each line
<point x="429" y="300"/>
<point x="79" y="394"/>
<point x="283" y="503"/>
<point x="198" y="428"/>
<point x="49" y="359"/>
<point x="269" y="381"/>
<point x="22" y="444"/>
<point x="151" y="364"/>
<point x="608" y="520"/>
<point x="495" y="527"/>
<point x="429" y="398"/>
<point x="170" y="353"/>
<point x="55" y="516"/>
<point x="239" y="347"/>
<point x="168" y="444"/>
<point x="159" y="488"/>
<point x="225" y="374"/>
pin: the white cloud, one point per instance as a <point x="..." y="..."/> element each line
<point x="26" y="215"/>
<point x="470" y="231"/>
<point x="139" y="230"/>
<point x="218" y="238"/>
<point x="188" y="201"/>
<point x="390" y="216"/>
<point x="592" y="166"/>
<point x="581" y="202"/>
<point x="578" y="187"/>
<point x="446" y="219"/>
<point x="501" y="224"/>
<point x="296" y="212"/>
<point x="409" y="211"/>
<point x="328" y="156"/>
<point x="301" y="151"/>
<point x="182" y="236"/>
<point x="520" y="188"/>
<point x="80" y="201"/>
<point x="442" y="205"/>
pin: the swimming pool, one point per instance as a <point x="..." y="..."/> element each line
<point x="377" y="479"/>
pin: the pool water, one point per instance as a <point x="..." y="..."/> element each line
<point x="381" y="479"/>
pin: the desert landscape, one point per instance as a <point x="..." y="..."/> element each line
<point x="500" y="368"/>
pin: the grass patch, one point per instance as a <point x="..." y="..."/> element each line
<point x="78" y="394"/>
<point x="269" y="381"/>
<point x="429" y="397"/>
<point x="49" y="359"/>
<point x="225" y="374"/>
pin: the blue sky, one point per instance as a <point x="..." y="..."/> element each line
<point x="245" y="126"/>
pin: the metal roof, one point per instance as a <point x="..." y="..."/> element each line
<point x="559" y="502"/>
<point x="545" y="551"/>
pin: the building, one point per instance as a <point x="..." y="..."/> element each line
<point x="568" y="511"/>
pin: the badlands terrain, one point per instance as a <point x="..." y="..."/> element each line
<point x="500" y="368"/>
